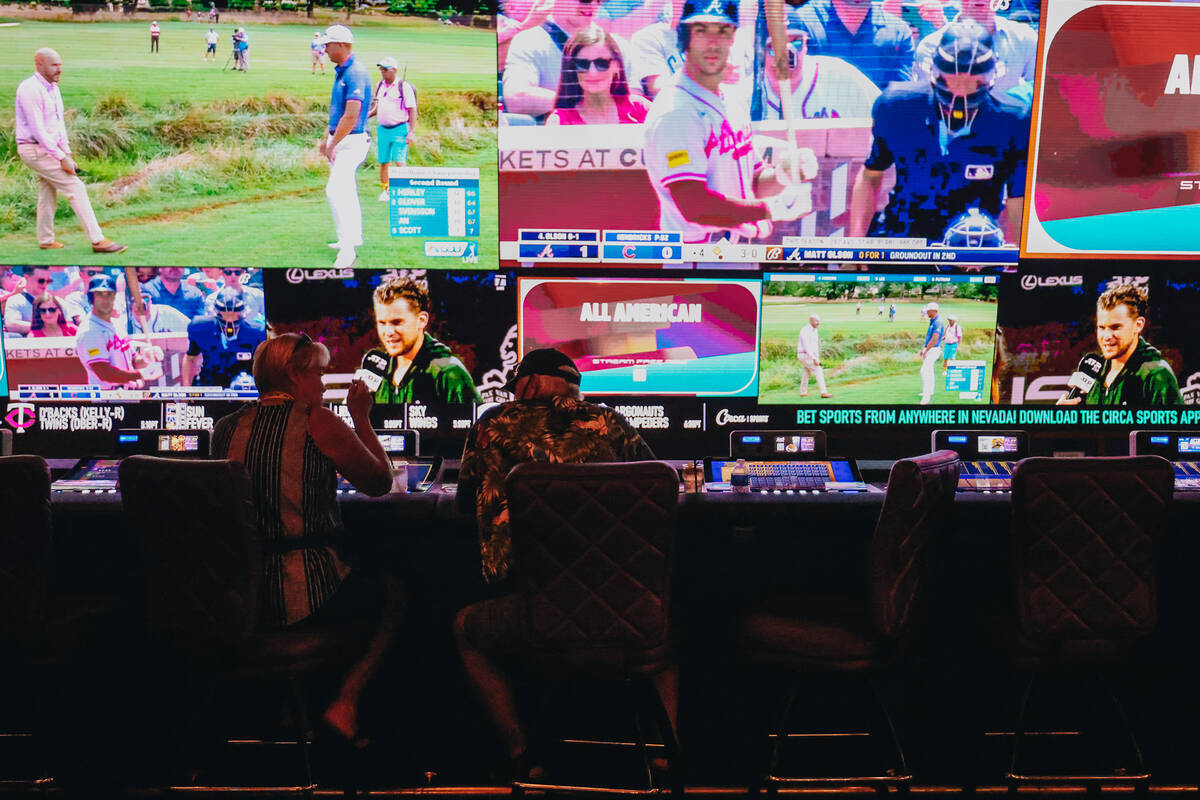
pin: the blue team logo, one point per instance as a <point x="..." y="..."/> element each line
<point x="973" y="228"/>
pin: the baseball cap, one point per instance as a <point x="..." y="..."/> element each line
<point x="710" y="11"/>
<point x="931" y="306"/>
<point x="102" y="283"/>
<point x="337" y="33"/>
<point x="546" y="361"/>
<point x="389" y="62"/>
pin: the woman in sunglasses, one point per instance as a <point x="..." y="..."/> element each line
<point x="48" y="318"/>
<point x="593" y="89"/>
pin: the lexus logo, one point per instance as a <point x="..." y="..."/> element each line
<point x="1035" y="282"/>
<point x="297" y="275"/>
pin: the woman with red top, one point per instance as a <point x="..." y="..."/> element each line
<point x="593" y="89"/>
<point x="48" y="318"/>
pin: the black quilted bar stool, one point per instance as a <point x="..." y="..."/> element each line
<point x="592" y="555"/>
<point x="202" y="556"/>
<point x="46" y="630"/>
<point x="1085" y="533"/>
<point x="863" y="632"/>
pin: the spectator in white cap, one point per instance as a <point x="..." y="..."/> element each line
<point x="935" y="335"/>
<point x="951" y="341"/>
<point x="395" y="103"/>
<point x="346" y="141"/>
<point x="318" y="53"/>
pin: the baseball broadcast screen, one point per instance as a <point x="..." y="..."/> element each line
<point x="877" y="339"/>
<point x="661" y="134"/>
<point x="261" y="138"/>
<point x="1115" y="164"/>
<point x="75" y="333"/>
<point x="439" y="337"/>
<point x="648" y="337"/>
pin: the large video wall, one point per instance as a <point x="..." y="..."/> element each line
<point x="835" y="237"/>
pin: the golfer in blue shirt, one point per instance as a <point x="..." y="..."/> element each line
<point x="932" y="351"/>
<point x="346" y="141"/>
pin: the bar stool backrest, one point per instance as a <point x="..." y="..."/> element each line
<point x="592" y="551"/>
<point x="920" y="493"/>
<point x="26" y="544"/>
<point x="1084" y="532"/>
<point x="200" y="546"/>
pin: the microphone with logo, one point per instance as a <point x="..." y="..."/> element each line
<point x="1085" y="375"/>
<point x="373" y="371"/>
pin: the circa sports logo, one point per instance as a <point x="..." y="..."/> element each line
<point x="1040" y="282"/>
<point x="723" y="417"/>
<point x="298" y="275"/>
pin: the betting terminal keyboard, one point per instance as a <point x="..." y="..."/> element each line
<point x="96" y="475"/>
<point x="985" y="476"/>
<point x="794" y="475"/>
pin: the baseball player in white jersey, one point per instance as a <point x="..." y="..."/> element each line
<point x="105" y="352"/>
<point x="823" y="87"/>
<point x="657" y="59"/>
<point x="699" y="151"/>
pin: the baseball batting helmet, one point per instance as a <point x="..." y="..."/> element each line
<point x="705" y="11"/>
<point x="962" y="71"/>
<point x="228" y="299"/>
<point x="101" y="283"/>
<point x="973" y="228"/>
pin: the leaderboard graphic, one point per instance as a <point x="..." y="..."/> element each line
<point x="648" y="337"/>
<point x="616" y="155"/>
<point x="1115" y="160"/>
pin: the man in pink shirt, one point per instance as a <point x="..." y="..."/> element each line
<point x="41" y="134"/>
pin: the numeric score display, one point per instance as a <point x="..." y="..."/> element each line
<point x="558" y="245"/>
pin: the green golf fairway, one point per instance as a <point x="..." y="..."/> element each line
<point x="213" y="166"/>
<point x="867" y="360"/>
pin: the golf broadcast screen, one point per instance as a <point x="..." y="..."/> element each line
<point x="648" y="337"/>
<point x="196" y="155"/>
<point x="613" y="150"/>
<point x="1115" y="164"/>
<point x="877" y="339"/>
